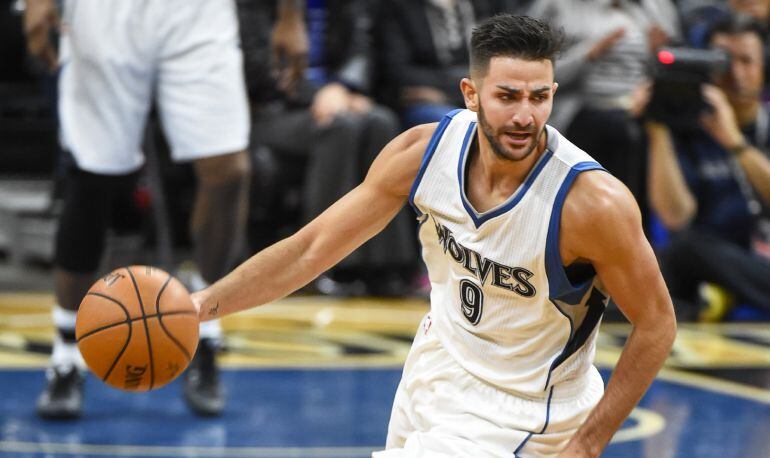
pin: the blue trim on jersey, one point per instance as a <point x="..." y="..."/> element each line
<point x="559" y="285"/>
<point x="432" y="145"/>
<point x="479" y="219"/>
<point x="421" y="220"/>
<point x="547" y="419"/>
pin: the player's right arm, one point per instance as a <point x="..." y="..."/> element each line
<point x="295" y="261"/>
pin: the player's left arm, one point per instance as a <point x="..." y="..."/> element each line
<point x="601" y="224"/>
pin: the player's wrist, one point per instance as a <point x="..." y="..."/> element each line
<point x="199" y="299"/>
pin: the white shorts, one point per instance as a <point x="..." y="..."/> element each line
<point x="441" y="410"/>
<point x="117" y="55"/>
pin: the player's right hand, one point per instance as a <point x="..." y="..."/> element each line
<point x="41" y="17"/>
<point x="197" y="300"/>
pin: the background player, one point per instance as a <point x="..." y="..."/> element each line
<point x="524" y="235"/>
<point x="117" y="56"/>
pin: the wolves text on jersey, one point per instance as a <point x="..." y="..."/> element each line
<point x="514" y="279"/>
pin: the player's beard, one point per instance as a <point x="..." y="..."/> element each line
<point x="498" y="148"/>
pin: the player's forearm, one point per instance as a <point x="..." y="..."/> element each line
<point x="669" y="195"/>
<point x="269" y="275"/>
<point x="293" y="262"/>
<point x="643" y="355"/>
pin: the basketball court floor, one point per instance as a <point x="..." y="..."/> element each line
<point x="314" y="377"/>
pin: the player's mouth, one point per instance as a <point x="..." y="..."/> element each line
<point x="520" y="138"/>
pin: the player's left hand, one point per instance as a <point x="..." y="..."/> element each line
<point x="721" y="124"/>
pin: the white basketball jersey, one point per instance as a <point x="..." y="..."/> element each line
<point x="502" y="303"/>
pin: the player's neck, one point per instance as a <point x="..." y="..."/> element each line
<point x="491" y="179"/>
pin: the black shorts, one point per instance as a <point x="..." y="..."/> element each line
<point x="92" y="204"/>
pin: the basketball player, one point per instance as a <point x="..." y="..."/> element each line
<point x="525" y="238"/>
<point x="116" y="57"/>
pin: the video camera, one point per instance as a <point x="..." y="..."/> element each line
<point x="678" y="74"/>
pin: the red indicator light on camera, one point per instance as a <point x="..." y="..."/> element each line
<point x="666" y="57"/>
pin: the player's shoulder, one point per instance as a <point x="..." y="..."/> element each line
<point x="410" y="145"/>
<point x="599" y="208"/>
<point x="397" y="165"/>
<point x="600" y="216"/>
<point x="418" y="136"/>
<point x="597" y="195"/>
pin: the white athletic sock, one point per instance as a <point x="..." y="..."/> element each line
<point x="211" y="330"/>
<point x="65" y="352"/>
<point x="196" y="281"/>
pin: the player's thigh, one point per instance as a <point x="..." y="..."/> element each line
<point x="105" y="85"/>
<point x="201" y="89"/>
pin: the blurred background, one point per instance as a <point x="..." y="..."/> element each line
<point x="670" y="96"/>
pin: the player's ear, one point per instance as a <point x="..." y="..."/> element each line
<point x="554" y="88"/>
<point x="470" y="94"/>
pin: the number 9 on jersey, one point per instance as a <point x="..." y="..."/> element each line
<point x="472" y="300"/>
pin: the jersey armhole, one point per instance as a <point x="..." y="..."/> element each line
<point x="559" y="285"/>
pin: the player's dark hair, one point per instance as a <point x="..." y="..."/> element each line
<point x="735" y="24"/>
<point x="509" y="35"/>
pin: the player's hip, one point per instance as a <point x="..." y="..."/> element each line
<point x="441" y="409"/>
<point x="522" y="371"/>
<point x="431" y="364"/>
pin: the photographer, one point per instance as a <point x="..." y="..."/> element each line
<point x="711" y="186"/>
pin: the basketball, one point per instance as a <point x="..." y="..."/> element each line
<point x="137" y="328"/>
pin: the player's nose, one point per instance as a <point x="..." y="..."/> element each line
<point x="522" y="116"/>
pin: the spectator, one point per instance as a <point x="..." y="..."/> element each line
<point x="422" y="48"/>
<point x="117" y="57"/>
<point x="699" y="21"/>
<point x="711" y="186"/>
<point x="758" y="9"/>
<point x="331" y="120"/>
<point x="602" y="76"/>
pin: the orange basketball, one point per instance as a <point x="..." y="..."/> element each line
<point x="137" y="328"/>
